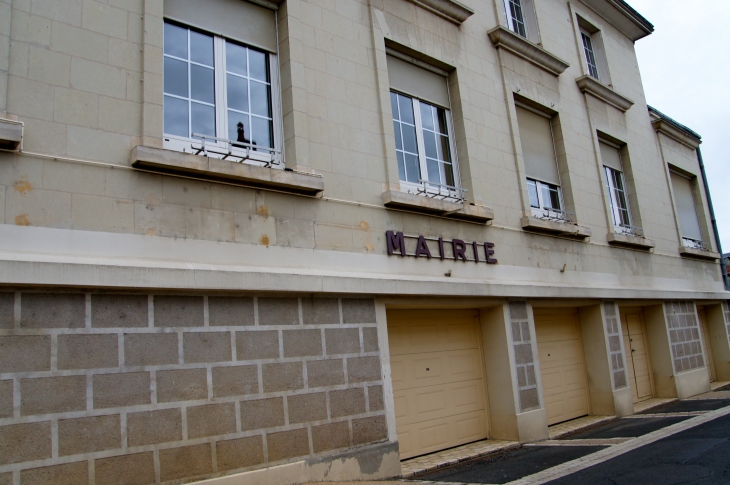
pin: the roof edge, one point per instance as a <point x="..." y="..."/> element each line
<point x="689" y="136"/>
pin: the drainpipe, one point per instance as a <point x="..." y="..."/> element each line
<point x="713" y="220"/>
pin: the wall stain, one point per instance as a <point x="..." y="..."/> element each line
<point x="22" y="220"/>
<point x="364" y="225"/>
<point x="151" y="232"/>
<point x="23" y="186"/>
<point x="264" y="241"/>
<point x="263" y="211"/>
<point x="370" y="247"/>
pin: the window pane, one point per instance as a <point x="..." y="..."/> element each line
<point x="176" y="41"/>
<point x="203" y="119"/>
<point x="236" y="59"/>
<point x="257" y="65"/>
<point x="447" y="174"/>
<point x="429" y="141"/>
<point x="409" y="139"/>
<point x="394" y="105"/>
<point x="444" y="151"/>
<point x="176" y="77"/>
<point x="406" y="109"/>
<point x="401" y="166"/>
<point x="201" y="48"/>
<point x="176" y="117"/>
<point x="202" y="84"/>
<point x="550" y="197"/>
<point x="427" y="116"/>
<point x="441" y="116"/>
<point x="261" y="132"/>
<point x="260" y="99"/>
<point x="434" y="174"/>
<point x="239" y="133"/>
<point x="532" y="190"/>
<point x="413" y="171"/>
<point x="237" y="93"/>
<point x="398" y="139"/>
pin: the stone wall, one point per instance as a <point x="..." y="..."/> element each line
<point x="160" y="388"/>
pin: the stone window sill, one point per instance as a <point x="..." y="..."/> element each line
<point x="450" y="10"/>
<point x="173" y="162"/>
<point x="553" y="227"/>
<point x="503" y="38"/>
<point x="688" y="252"/>
<point x="589" y="85"/>
<point x="636" y="242"/>
<point x="428" y="205"/>
<point x="11" y="134"/>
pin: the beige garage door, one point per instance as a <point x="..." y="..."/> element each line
<point x="637" y="356"/>
<point x="562" y="365"/>
<point x="438" y="379"/>
<point x="706" y="341"/>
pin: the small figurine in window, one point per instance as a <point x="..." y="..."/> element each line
<point x="242" y="135"/>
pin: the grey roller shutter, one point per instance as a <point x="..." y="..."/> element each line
<point x="611" y="157"/>
<point x="684" y="201"/>
<point x="538" y="148"/>
<point x="418" y="82"/>
<point x="239" y="20"/>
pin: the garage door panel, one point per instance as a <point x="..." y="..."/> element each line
<point x="428" y="403"/>
<point x="441" y="433"/>
<point x="562" y="364"/>
<point x="433" y="368"/>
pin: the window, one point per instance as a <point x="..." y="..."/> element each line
<point x="514" y="12"/>
<point x="684" y="202"/>
<point x="616" y="185"/>
<point x="590" y="54"/>
<point x="538" y="153"/>
<point x="218" y="90"/>
<point x="423" y="129"/>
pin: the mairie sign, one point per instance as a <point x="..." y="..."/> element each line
<point x="430" y="247"/>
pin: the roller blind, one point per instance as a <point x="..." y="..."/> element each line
<point x="234" y="19"/>
<point x="418" y="82"/>
<point x="686" y="209"/>
<point x="611" y="157"/>
<point x="538" y="148"/>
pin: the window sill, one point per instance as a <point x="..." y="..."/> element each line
<point x="11" y="134"/>
<point x="448" y="9"/>
<point x="589" y="85"/>
<point x="172" y="162"/>
<point x="428" y="205"/>
<point x="553" y="227"/>
<point x="503" y="38"/>
<point x="688" y="252"/>
<point x="636" y="242"/>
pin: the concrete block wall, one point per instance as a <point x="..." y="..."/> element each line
<point x="159" y="388"/>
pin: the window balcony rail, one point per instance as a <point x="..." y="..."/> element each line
<point x="442" y="191"/>
<point x="554" y="215"/>
<point x="630" y="230"/>
<point x="695" y="244"/>
<point x="237" y="151"/>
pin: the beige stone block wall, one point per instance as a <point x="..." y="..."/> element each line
<point x="159" y="388"/>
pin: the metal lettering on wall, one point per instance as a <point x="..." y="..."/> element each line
<point x="477" y="252"/>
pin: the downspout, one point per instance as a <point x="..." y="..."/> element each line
<point x="713" y="220"/>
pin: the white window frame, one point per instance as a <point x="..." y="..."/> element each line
<point x="543" y="210"/>
<point x="258" y="157"/>
<point x="615" y="206"/>
<point x="589" y="53"/>
<point x="455" y="192"/>
<point x="513" y="24"/>
<point x="686" y="241"/>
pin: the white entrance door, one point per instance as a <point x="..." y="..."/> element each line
<point x="637" y="356"/>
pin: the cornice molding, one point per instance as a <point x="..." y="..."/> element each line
<point x="665" y="128"/>
<point x="450" y="10"/>
<point x="503" y="38"/>
<point x="620" y="14"/>
<point x="589" y="85"/>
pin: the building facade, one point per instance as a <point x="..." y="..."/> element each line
<point x="286" y="241"/>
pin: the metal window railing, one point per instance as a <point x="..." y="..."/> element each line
<point x="695" y="244"/>
<point x="441" y="191"/>
<point x="236" y="151"/>
<point x="555" y="215"/>
<point x="631" y="230"/>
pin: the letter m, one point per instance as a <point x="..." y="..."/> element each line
<point x="396" y="242"/>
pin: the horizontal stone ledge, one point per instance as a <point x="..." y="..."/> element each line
<point x="503" y="38"/>
<point x="553" y="227"/>
<point x="589" y="85"/>
<point x="428" y="205"/>
<point x="216" y="169"/>
<point x="627" y="240"/>
<point x="11" y="134"/>
<point x="450" y="10"/>
<point x="706" y="254"/>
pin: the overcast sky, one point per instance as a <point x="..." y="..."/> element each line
<point x="685" y="67"/>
